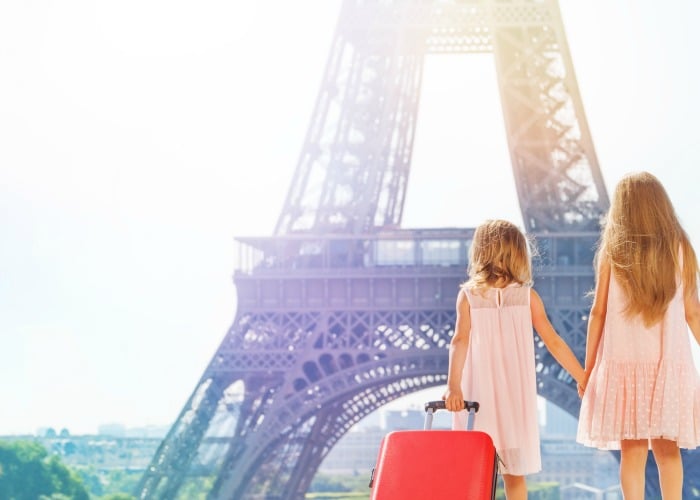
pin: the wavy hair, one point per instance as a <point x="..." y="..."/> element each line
<point x="499" y="255"/>
<point x="644" y="242"/>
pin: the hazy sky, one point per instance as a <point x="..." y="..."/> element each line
<point x="137" y="138"/>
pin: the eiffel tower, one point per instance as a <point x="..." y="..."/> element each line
<point x="342" y="310"/>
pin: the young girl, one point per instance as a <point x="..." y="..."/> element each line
<point x="643" y="390"/>
<point x="492" y="353"/>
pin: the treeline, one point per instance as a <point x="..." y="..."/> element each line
<point x="29" y="472"/>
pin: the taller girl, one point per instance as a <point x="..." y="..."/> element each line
<point x="642" y="387"/>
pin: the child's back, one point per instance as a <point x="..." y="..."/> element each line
<point x="500" y="373"/>
<point x="645" y="378"/>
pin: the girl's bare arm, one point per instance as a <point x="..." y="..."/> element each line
<point x="454" y="400"/>
<point x="692" y="312"/>
<point x="596" y="318"/>
<point x="554" y="343"/>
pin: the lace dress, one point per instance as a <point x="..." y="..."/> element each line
<point x="644" y="383"/>
<point x="499" y="373"/>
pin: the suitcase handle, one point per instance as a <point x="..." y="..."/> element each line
<point x="432" y="406"/>
<point x="440" y="405"/>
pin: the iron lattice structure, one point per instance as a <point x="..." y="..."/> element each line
<point x="342" y="311"/>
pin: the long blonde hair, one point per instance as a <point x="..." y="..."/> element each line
<point x="499" y="255"/>
<point x="642" y="238"/>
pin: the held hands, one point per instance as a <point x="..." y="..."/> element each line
<point x="581" y="386"/>
<point x="581" y="390"/>
<point x="453" y="399"/>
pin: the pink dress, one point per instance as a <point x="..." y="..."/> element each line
<point x="644" y="383"/>
<point x="499" y="373"/>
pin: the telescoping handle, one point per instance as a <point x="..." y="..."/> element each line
<point x="432" y="406"/>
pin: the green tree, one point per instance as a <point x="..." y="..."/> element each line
<point x="28" y="472"/>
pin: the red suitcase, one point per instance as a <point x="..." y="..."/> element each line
<point x="436" y="464"/>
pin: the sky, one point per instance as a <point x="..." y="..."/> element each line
<point x="138" y="138"/>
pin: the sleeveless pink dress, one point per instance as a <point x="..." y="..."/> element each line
<point x="499" y="373"/>
<point x="644" y="383"/>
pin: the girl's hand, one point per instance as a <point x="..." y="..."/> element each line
<point x="453" y="400"/>
<point x="581" y="386"/>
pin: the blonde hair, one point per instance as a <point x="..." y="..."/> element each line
<point x="644" y="241"/>
<point x="499" y="255"/>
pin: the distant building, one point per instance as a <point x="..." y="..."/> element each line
<point x="114" y="447"/>
<point x="569" y="463"/>
<point x="356" y="452"/>
<point x="114" y="430"/>
<point x="397" y="420"/>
